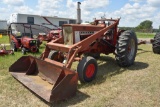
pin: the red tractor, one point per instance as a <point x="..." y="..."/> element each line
<point x="82" y="43"/>
<point x="25" y="36"/>
<point x="52" y="35"/>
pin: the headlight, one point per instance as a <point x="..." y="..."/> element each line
<point x="34" y="41"/>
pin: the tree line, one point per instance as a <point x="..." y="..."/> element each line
<point x="145" y="26"/>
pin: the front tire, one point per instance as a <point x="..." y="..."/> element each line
<point x="156" y="44"/>
<point x="87" y="69"/>
<point x="23" y="51"/>
<point x="54" y="55"/>
<point x="126" y="48"/>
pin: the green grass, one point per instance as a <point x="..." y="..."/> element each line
<point x="135" y="86"/>
<point x="4" y="39"/>
<point x="145" y="35"/>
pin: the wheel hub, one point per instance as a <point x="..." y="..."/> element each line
<point x="90" y="70"/>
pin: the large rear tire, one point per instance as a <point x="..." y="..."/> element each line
<point x="126" y="48"/>
<point x="87" y="69"/>
<point x="156" y="44"/>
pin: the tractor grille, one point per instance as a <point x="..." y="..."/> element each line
<point x="33" y="43"/>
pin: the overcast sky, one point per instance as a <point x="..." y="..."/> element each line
<point x="132" y="12"/>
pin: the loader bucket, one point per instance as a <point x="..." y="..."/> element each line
<point x="47" y="78"/>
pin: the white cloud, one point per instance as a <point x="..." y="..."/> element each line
<point x="4" y="13"/>
<point x="71" y="4"/>
<point x="154" y="3"/>
<point x="136" y="10"/>
<point x="132" y="15"/>
<point x="137" y="0"/>
<point x="13" y="2"/>
<point x="48" y="7"/>
<point x="93" y="4"/>
<point x="3" y="10"/>
<point x="24" y="9"/>
<point x="49" y="4"/>
<point x="155" y="20"/>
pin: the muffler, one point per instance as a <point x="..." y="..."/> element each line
<point x="47" y="78"/>
<point x="78" y="13"/>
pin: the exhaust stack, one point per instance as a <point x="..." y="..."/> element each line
<point x="78" y="13"/>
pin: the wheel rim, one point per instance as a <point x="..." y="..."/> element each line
<point x="90" y="70"/>
<point x="131" y="49"/>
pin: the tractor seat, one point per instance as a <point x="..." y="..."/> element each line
<point x="18" y="37"/>
<point x="101" y="25"/>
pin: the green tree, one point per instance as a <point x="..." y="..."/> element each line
<point x="145" y="26"/>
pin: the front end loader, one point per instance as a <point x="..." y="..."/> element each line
<point x="51" y="82"/>
<point x="51" y="76"/>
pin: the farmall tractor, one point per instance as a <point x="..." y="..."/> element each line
<point x="25" y="36"/>
<point x="51" y="76"/>
<point x="85" y="43"/>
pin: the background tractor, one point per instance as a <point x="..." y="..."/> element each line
<point x="25" y="36"/>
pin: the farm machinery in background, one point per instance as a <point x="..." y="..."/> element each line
<point x="155" y="43"/>
<point x="51" y="76"/>
<point x="4" y="51"/>
<point x="52" y="35"/>
<point x="28" y="37"/>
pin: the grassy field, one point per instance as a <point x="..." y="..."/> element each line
<point x="4" y="39"/>
<point x="135" y="86"/>
<point x="145" y="35"/>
